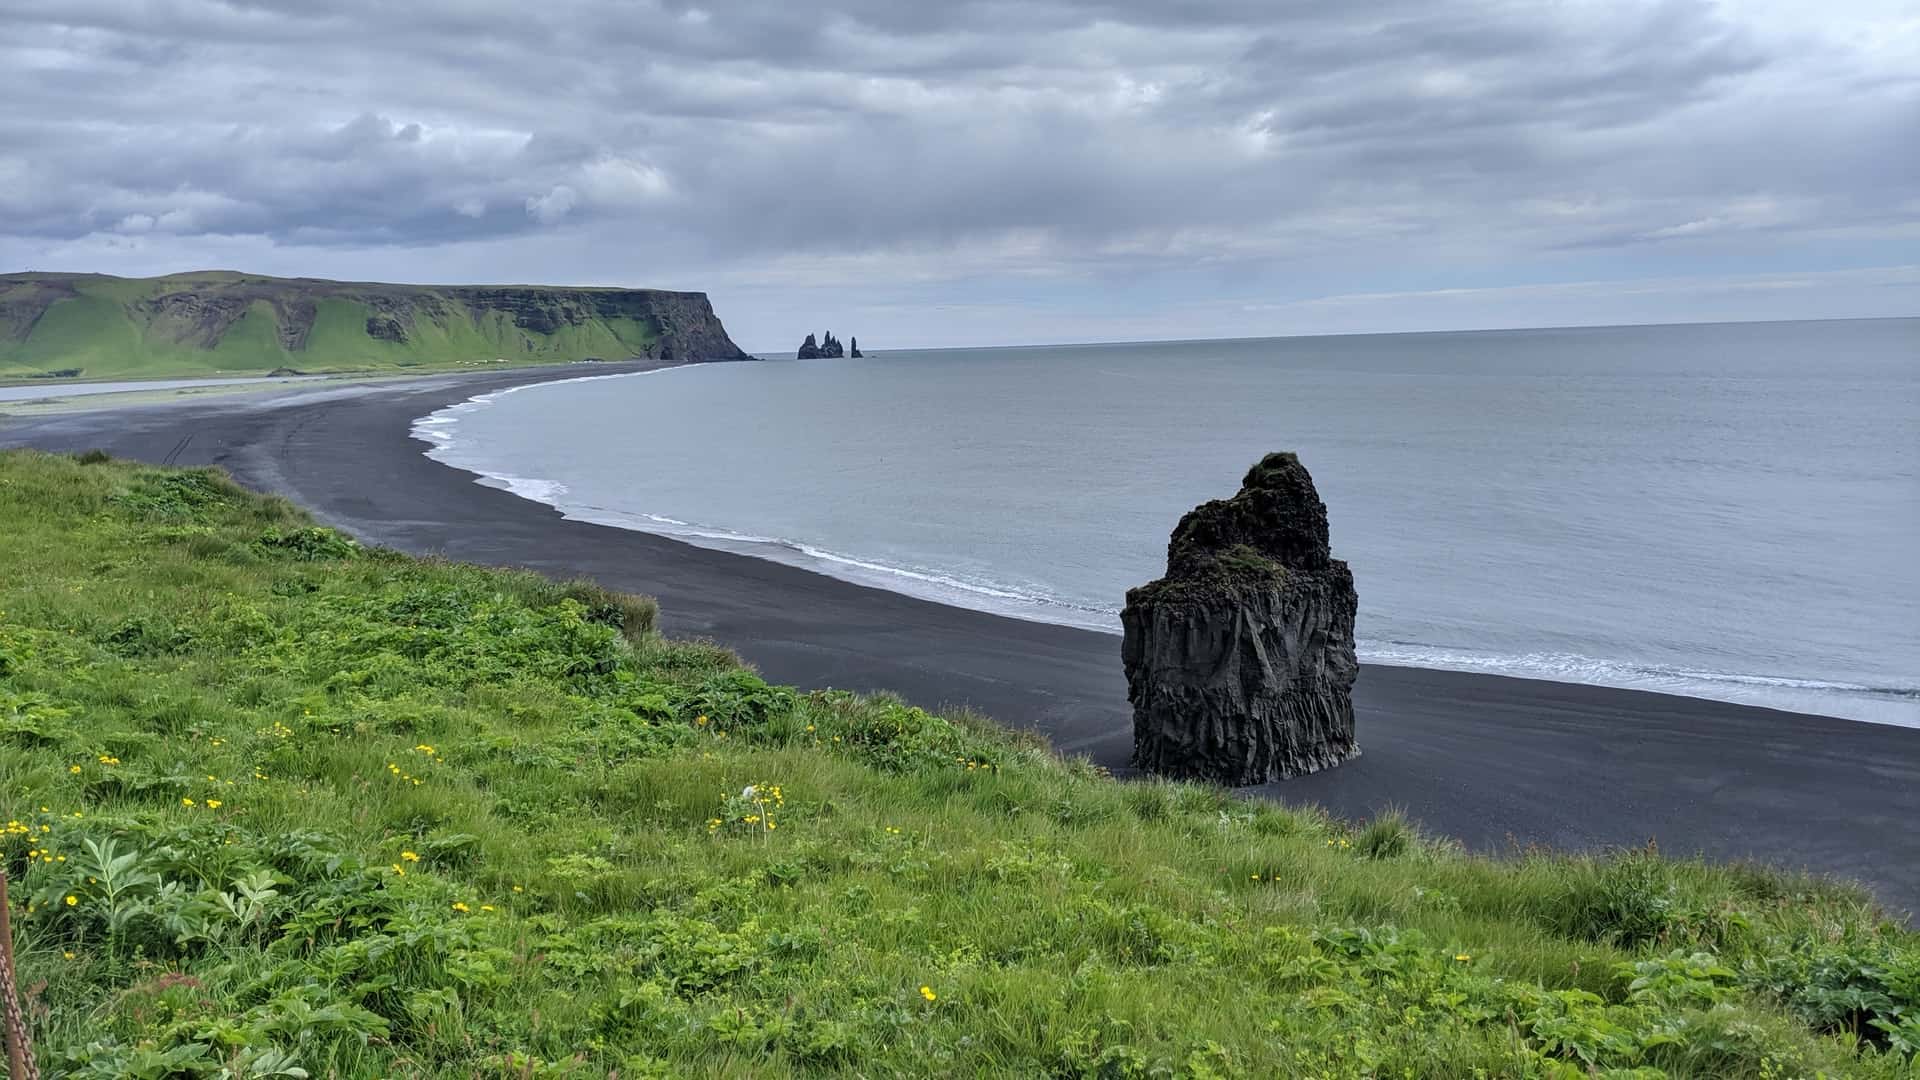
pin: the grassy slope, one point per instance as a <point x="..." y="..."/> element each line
<point x="282" y="803"/>
<point x="98" y="332"/>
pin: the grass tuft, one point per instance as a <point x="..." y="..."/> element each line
<point x="633" y="616"/>
<point x="1388" y="836"/>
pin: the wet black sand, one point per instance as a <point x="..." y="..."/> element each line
<point x="1492" y="761"/>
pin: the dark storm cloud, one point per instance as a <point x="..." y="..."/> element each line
<point x="1055" y="133"/>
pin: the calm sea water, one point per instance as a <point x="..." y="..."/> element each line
<point x="1727" y="511"/>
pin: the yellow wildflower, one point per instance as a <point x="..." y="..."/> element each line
<point x="68" y="954"/>
<point x="927" y="992"/>
<point x="213" y="804"/>
<point x="75" y="769"/>
<point x="72" y="899"/>
<point x="186" y="802"/>
<point x="486" y="907"/>
<point x="410" y="856"/>
<point x="460" y="906"/>
<point x="399" y="870"/>
<point x="1464" y="958"/>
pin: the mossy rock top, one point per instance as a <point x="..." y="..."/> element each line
<point x="1239" y="569"/>
<point x="1275" y="523"/>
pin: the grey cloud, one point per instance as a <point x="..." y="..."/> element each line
<point x="1074" y="132"/>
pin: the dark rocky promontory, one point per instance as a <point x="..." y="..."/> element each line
<point x="1240" y="662"/>
<point x="151" y="326"/>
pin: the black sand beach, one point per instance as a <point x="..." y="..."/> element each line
<point x="1491" y="761"/>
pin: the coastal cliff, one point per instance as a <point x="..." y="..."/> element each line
<point x="94" y="325"/>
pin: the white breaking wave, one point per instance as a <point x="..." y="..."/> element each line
<point x="1092" y="616"/>
<point x="1895" y="705"/>
<point x="527" y="487"/>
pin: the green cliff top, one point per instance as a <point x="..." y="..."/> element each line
<point x="217" y="322"/>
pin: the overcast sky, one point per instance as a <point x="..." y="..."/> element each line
<point x="963" y="172"/>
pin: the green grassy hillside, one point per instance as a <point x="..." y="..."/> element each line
<point x="93" y="326"/>
<point x="278" y="805"/>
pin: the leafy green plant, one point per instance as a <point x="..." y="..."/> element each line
<point x="1863" y="985"/>
<point x="310" y="543"/>
<point x="177" y="495"/>
<point x="1679" y="979"/>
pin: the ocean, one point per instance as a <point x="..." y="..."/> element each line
<point x="1727" y="511"/>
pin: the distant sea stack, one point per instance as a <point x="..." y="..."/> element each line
<point x="1240" y="662"/>
<point x="811" y="349"/>
<point x="231" y="322"/>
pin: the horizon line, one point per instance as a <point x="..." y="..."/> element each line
<point x="1374" y="333"/>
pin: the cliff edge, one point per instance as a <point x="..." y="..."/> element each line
<point x="94" y="325"/>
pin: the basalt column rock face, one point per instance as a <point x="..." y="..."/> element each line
<point x="1240" y="660"/>
<point x="825" y="349"/>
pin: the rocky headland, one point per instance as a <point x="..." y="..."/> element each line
<point x="230" y="322"/>
<point x="1240" y="662"/>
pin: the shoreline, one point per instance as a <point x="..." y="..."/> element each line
<point x="438" y="434"/>
<point x="1492" y="760"/>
